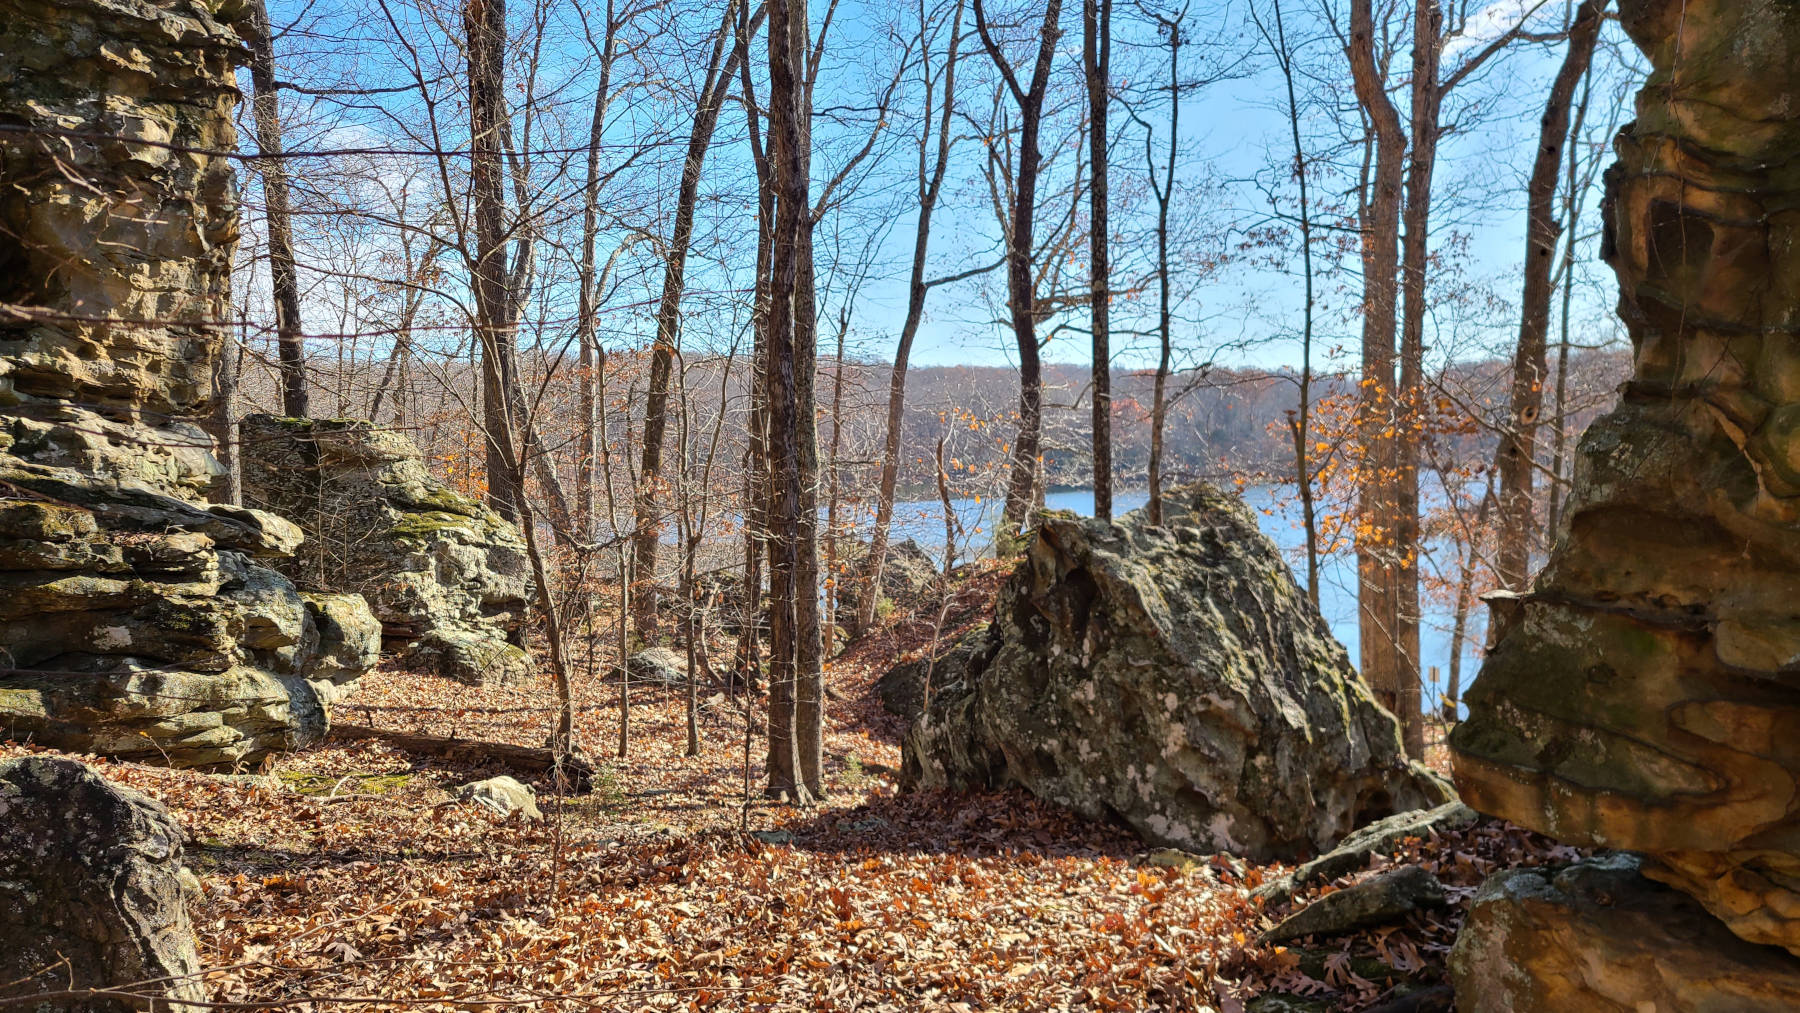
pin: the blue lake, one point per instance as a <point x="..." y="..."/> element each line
<point x="1279" y="518"/>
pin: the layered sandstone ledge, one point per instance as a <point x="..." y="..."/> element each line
<point x="136" y="618"/>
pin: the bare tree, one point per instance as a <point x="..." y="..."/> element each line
<point x="711" y="99"/>
<point x="283" y="277"/>
<point x="1020" y="282"/>
<point x="795" y="681"/>
<point x="1379" y="221"/>
<point x="932" y="168"/>
<point x="1518" y="439"/>
<point x="1096" y="59"/>
<point x="485" y="24"/>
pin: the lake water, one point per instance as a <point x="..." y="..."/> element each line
<point x="1279" y="519"/>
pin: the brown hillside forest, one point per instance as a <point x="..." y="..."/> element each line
<point x="557" y="505"/>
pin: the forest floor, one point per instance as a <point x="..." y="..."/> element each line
<point x="345" y="879"/>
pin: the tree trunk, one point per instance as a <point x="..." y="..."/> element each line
<point x="1164" y="192"/>
<point x="283" y="279"/>
<point x="1019" y="258"/>
<point x="590" y="355"/>
<point x="1096" y="52"/>
<point x="1518" y="441"/>
<point x="648" y="526"/>
<point x="1300" y="420"/>
<point x="793" y="692"/>
<point x="485" y="22"/>
<point x="931" y="184"/>
<point x="1380" y="223"/>
<point x="222" y="425"/>
<point x="1427" y="99"/>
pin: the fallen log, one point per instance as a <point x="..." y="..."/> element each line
<point x="577" y="772"/>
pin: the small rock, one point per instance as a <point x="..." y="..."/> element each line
<point x="1281" y="1002"/>
<point x="1175" y="858"/>
<point x="1386" y="897"/>
<point x="503" y="795"/>
<point x="1378" y="838"/>
<point x="656" y="664"/>
<point x="773" y="836"/>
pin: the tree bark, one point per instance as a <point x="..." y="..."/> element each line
<point x="1019" y="257"/>
<point x="1380" y="224"/>
<point x="1427" y="101"/>
<point x="1164" y="193"/>
<point x="590" y="355"/>
<point x="283" y="278"/>
<point x="1096" y="52"/>
<point x="648" y="522"/>
<point x="1518" y="441"/>
<point x="795" y="698"/>
<point x="485" y="22"/>
<point x="931" y="184"/>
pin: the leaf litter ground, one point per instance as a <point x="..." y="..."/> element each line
<point x="344" y="878"/>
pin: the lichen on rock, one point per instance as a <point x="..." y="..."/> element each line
<point x="447" y="576"/>
<point x="92" y="892"/>
<point x="136" y="618"/>
<point x="1643" y="694"/>
<point x="1174" y="678"/>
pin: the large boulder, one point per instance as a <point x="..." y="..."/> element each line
<point x="92" y="891"/>
<point x="1173" y="677"/>
<point x="136" y="617"/>
<point x="1600" y="938"/>
<point x="447" y="576"/>
<point x="1645" y="692"/>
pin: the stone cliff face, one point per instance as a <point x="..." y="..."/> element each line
<point x="448" y="577"/>
<point x="135" y="617"/>
<point x="1646" y="693"/>
<point x="1172" y="677"/>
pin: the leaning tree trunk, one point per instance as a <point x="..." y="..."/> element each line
<point x="1518" y="440"/>
<point x="648" y="527"/>
<point x="930" y="186"/>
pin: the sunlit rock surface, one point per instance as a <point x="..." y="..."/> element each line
<point x="1597" y="937"/>
<point x="447" y="576"/>
<point x="1174" y="678"/>
<point x="1646" y="693"/>
<point x="136" y="618"/>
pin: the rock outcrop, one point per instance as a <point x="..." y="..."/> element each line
<point x="1174" y="678"/>
<point x="1645" y="693"/>
<point x="447" y="576"/>
<point x="906" y="573"/>
<point x="904" y="689"/>
<point x="1600" y="938"/>
<point x="92" y="891"/>
<point x="136" y="618"/>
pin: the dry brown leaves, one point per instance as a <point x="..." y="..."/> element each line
<point x="346" y="881"/>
